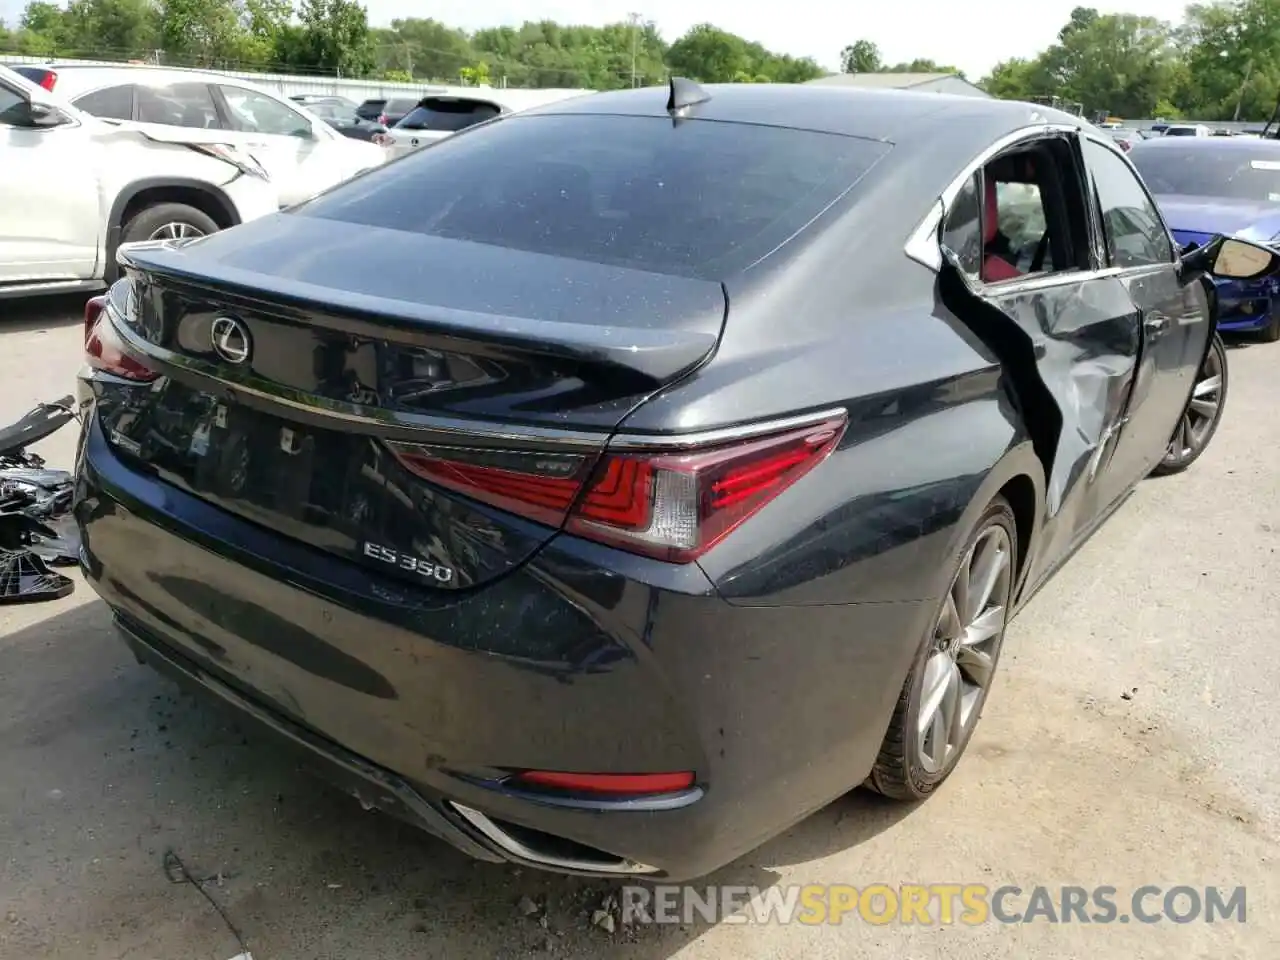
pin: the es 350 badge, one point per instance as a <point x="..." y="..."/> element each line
<point x="408" y="562"/>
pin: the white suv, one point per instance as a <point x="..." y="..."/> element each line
<point x="73" y="188"/>
<point x="301" y="153"/>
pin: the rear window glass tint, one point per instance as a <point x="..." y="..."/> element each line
<point x="699" y="198"/>
<point x="448" y="115"/>
<point x="113" y="103"/>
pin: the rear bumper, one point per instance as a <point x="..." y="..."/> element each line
<point x="581" y="660"/>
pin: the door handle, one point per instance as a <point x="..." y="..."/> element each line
<point x="1157" y="324"/>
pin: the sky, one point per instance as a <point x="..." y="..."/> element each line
<point x="973" y="35"/>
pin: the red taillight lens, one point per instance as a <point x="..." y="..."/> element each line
<point x="382" y="119"/>
<point x="102" y="348"/>
<point x="49" y="80"/>
<point x="617" y="784"/>
<point x="673" y="506"/>
<point x="677" y="506"/>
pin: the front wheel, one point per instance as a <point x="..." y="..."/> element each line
<point x="943" y="696"/>
<point x="1202" y="415"/>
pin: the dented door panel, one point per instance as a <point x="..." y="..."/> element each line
<point x="1086" y="338"/>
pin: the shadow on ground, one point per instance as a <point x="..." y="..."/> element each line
<point x="115" y="768"/>
<point x="41" y="313"/>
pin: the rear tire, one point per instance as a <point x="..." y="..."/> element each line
<point x="940" y="703"/>
<point x="1199" y="421"/>
<point x="167" y="221"/>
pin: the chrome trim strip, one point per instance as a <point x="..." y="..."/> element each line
<point x="683" y="441"/>
<point x="922" y="246"/>
<point x="914" y="247"/>
<point x="515" y="848"/>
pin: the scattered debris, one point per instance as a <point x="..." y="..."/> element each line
<point x="36" y="529"/>
<point x="1128" y="694"/>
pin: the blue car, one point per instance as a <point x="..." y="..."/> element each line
<point x="1227" y="185"/>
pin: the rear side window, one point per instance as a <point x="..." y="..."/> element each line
<point x="178" y="105"/>
<point x="699" y="198"/>
<point x="448" y="115"/>
<point x="370" y="109"/>
<point x="113" y="103"/>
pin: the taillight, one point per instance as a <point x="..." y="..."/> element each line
<point x="1125" y="145"/>
<point x="102" y="348"/>
<point x="49" y="80"/>
<point x="673" y="505"/>
<point x="382" y="119"/>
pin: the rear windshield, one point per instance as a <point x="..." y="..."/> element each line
<point x="447" y="115"/>
<point x="1202" y="170"/>
<point x="699" y="198"/>
<point x="399" y="106"/>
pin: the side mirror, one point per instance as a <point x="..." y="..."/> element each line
<point x="1228" y="258"/>
<point x="45" y="115"/>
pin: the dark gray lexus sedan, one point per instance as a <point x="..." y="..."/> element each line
<point x="613" y="484"/>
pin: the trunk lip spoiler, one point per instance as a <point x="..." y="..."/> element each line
<point x="384" y="424"/>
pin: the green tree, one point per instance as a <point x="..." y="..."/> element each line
<point x="1010" y="79"/>
<point x="709" y="54"/>
<point x="861" y="56"/>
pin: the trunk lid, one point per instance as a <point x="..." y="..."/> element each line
<point x="312" y="385"/>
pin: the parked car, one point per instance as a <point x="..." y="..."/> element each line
<point x="371" y="110"/>
<point x="437" y="116"/>
<point x="395" y="109"/>
<point x="1187" y="130"/>
<point x="347" y="123"/>
<point x="72" y="189"/>
<point x="302" y="155"/>
<point x="1225" y="186"/>
<point x="1125" y="137"/>
<point x="609" y="487"/>
<point x="309" y="100"/>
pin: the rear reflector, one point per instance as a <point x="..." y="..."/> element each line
<point x="670" y="505"/>
<point x="102" y="348"/>
<point x="617" y="784"/>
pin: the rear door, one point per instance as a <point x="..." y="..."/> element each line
<point x="1065" y="327"/>
<point x="51" y="216"/>
<point x="1175" y="328"/>
<point x="301" y="160"/>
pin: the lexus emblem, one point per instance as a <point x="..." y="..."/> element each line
<point x="230" y="340"/>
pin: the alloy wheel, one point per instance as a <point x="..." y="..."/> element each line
<point x="962" y="657"/>
<point x="176" y="230"/>
<point x="1202" y="413"/>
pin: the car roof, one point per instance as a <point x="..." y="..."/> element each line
<point x="75" y="79"/>
<point x="1224" y="144"/>
<point x="874" y="114"/>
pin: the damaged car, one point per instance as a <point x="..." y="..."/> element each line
<point x="608" y="488"/>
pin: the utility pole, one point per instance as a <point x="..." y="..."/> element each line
<point x="635" y="19"/>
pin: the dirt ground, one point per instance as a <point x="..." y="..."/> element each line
<point x="1126" y="743"/>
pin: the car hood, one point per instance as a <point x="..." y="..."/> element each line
<point x="1248" y="219"/>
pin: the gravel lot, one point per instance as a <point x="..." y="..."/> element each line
<point x="1126" y="743"/>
